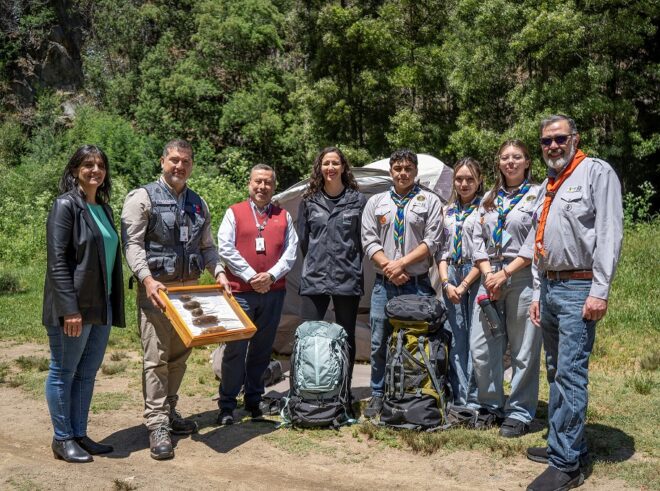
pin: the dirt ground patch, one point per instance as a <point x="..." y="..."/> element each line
<point x="248" y="455"/>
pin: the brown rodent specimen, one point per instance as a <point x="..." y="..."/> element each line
<point x="205" y="319"/>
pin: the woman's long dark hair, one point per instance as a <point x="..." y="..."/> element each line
<point x="474" y="167"/>
<point x="316" y="177"/>
<point x="70" y="183"/>
<point x="489" y="202"/>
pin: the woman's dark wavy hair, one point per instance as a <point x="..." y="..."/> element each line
<point x="474" y="167"/>
<point x="489" y="202"/>
<point x="70" y="183"/>
<point x="316" y="177"/>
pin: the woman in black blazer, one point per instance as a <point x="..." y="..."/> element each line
<point x="83" y="297"/>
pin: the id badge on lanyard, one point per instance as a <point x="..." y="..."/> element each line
<point x="184" y="230"/>
<point x="259" y="241"/>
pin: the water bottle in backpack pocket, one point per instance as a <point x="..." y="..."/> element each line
<point x="318" y="393"/>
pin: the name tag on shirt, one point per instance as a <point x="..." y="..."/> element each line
<point x="260" y="244"/>
<point x="183" y="233"/>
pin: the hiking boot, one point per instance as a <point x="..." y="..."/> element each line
<point x="160" y="443"/>
<point x="225" y="417"/>
<point x="374" y="407"/>
<point x="513" y="428"/>
<point x="540" y="455"/>
<point x="552" y="479"/>
<point x="180" y="426"/>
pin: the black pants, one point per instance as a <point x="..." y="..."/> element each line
<point x="314" y="307"/>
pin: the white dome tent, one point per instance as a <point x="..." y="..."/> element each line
<point x="373" y="178"/>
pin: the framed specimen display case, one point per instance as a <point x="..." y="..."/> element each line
<point x="205" y="314"/>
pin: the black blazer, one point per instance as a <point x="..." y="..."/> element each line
<point x="76" y="279"/>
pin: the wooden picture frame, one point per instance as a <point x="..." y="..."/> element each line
<point x="217" y="317"/>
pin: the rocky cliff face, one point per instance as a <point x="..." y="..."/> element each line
<point x="46" y="55"/>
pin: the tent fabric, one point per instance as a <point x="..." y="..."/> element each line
<point x="372" y="179"/>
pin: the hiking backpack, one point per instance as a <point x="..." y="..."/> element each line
<point x="417" y="390"/>
<point x="318" y="396"/>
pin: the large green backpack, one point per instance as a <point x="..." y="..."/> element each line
<point x="417" y="390"/>
<point x="319" y="377"/>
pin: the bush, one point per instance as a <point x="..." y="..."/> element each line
<point x="637" y="207"/>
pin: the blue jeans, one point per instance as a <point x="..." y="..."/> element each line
<point x="459" y="317"/>
<point x="568" y="340"/>
<point x="380" y="327"/>
<point x="244" y="362"/>
<point x="74" y="362"/>
<point x="488" y="352"/>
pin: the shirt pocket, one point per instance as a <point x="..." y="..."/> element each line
<point x="383" y="215"/>
<point x="418" y="213"/>
<point x="571" y="203"/>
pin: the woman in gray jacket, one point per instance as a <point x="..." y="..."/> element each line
<point x="328" y="228"/>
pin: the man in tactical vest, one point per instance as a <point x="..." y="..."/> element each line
<point x="257" y="242"/>
<point x="167" y="242"/>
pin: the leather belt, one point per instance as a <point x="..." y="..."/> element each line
<point x="413" y="279"/>
<point x="578" y="274"/>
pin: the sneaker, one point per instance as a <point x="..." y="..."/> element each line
<point x="540" y="455"/>
<point x="513" y="428"/>
<point x="225" y="417"/>
<point x="180" y="426"/>
<point x="552" y="479"/>
<point x="160" y="443"/>
<point x="374" y="407"/>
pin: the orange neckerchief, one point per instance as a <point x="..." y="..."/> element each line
<point x="550" y="190"/>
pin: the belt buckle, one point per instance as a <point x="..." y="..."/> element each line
<point x="553" y="275"/>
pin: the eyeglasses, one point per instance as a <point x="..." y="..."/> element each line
<point x="559" y="139"/>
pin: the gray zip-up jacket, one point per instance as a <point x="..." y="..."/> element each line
<point x="330" y="243"/>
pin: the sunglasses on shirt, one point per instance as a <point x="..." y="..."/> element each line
<point x="546" y="141"/>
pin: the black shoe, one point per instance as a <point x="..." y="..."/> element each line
<point x="540" y="455"/>
<point x="92" y="447"/>
<point x="552" y="479"/>
<point x="180" y="426"/>
<point x="255" y="411"/>
<point x="486" y="420"/>
<point x="374" y="408"/>
<point x="70" y="451"/>
<point x="160" y="443"/>
<point x="226" y="417"/>
<point x="513" y="428"/>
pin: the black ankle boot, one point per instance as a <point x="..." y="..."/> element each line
<point x="92" y="447"/>
<point x="70" y="451"/>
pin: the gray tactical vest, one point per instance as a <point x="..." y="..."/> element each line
<point x="168" y="257"/>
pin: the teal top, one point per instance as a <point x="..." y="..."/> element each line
<point x="110" y="239"/>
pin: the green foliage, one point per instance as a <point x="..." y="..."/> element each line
<point x="219" y="193"/>
<point x="637" y="207"/>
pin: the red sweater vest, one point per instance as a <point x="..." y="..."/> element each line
<point x="246" y="235"/>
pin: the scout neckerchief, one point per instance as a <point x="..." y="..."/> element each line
<point x="550" y="190"/>
<point x="502" y="213"/>
<point x="460" y="216"/>
<point x="400" y="205"/>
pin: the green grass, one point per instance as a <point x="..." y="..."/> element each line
<point x="623" y="392"/>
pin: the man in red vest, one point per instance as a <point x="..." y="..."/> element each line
<point x="257" y="242"/>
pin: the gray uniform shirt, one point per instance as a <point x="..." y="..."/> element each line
<point x="467" y="238"/>
<point x="584" y="228"/>
<point x="517" y="226"/>
<point x="134" y="222"/>
<point x="422" y="222"/>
